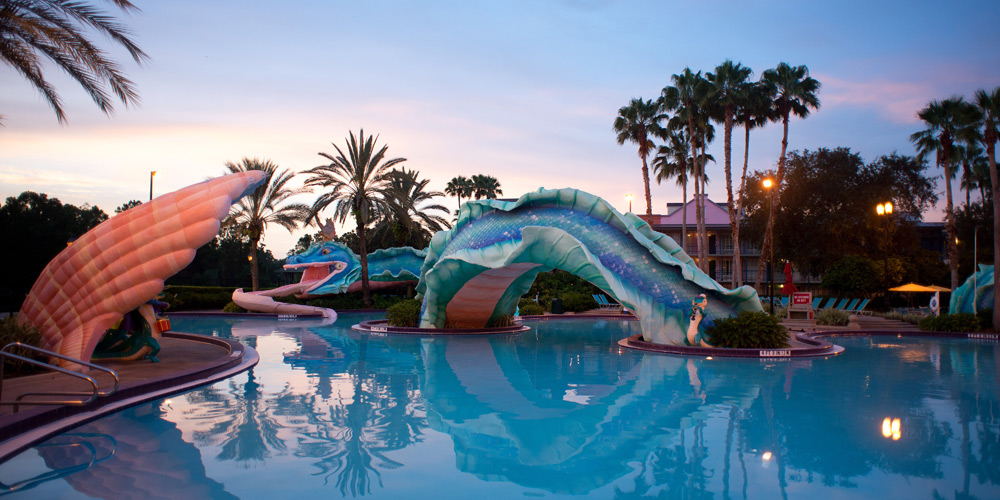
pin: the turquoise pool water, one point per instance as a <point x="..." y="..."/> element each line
<point x="559" y="411"/>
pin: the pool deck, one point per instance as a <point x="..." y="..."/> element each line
<point x="186" y="362"/>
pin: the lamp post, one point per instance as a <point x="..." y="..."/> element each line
<point x="152" y="174"/>
<point x="768" y="184"/>
<point x="629" y="198"/>
<point x="885" y="209"/>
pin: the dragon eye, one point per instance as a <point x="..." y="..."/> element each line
<point x="325" y="251"/>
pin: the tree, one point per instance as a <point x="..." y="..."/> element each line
<point x="460" y="187"/>
<point x="357" y="183"/>
<point x="988" y="104"/>
<point x="36" y="228"/>
<point x="127" y="205"/>
<point x="268" y="204"/>
<point x="410" y="220"/>
<point x="753" y="111"/>
<point x="639" y="122"/>
<point x="36" y="30"/>
<point x="671" y="160"/>
<point x="485" y="186"/>
<point x="794" y="92"/>
<point x="730" y="88"/>
<point x="947" y="121"/>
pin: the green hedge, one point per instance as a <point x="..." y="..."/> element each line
<point x="197" y="298"/>
<point x="753" y="330"/>
<point x="12" y="330"/>
<point x="832" y="317"/>
<point x="963" y="322"/>
<point x="577" y="302"/>
<point x="404" y="314"/>
<point x="531" y="309"/>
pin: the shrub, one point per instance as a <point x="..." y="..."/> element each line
<point x="832" y="317"/>
<point x="231" y="307"/>
<point x="962" y="322"/>
<point x="525" y="302"/>
<point x="342" y="301"/>
<point x="912" y="319"/>
<point x="577" y="302"/>
<point x="12" y="330"/>
<point x="985" y="318"/>
<point x="755" y="330"/>
<point x="405" y="313"/>
<point x="501" y="322"/>
<point x="193" y="298"/>
<point x="532" y="309"/>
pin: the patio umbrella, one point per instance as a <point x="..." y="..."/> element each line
<point x="789" y="287"/>
<point x="913" y="287"/>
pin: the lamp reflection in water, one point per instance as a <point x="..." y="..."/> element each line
<point x="891" y="428"/>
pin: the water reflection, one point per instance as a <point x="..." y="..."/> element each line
<point x="562" y="410"/>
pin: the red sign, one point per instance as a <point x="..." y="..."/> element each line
<point x="801" y="298"/>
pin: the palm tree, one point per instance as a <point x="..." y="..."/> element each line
<point x="754" y="111"/>
<point x="460" y="187"/>
<point x="266" y="205"/>
<point x="409" y="219"/>
<point x="988" y="104"/>
<point x="485" y="186"/>
<point x="794" y="92"/>
<point x="671" y="160"/>
<point x="358" y="182"/>
<point x="730" y="88"/>
<point x="35" y="30"/>
<point x="947" y="122"/>
<point x="639" y="122"/>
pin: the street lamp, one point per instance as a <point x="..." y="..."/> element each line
<point x="152" y="174"/>
<point x="885" y="209"/>
<point x="629" y="198"/>
<point x="768" y="183"/>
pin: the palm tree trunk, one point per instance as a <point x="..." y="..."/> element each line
<point x="737" y="258"/>
<point x="949" y="218"/>
<point x="769" y="234"/>
<point x="366" y="297"/>
<point x="703" y="229"/>
<point x="684" y="214"/>
<point x="995" y="188"/>
<point x="255" y="282"/>
<point x="697" y="177"/>
<point x="645" y="185"/>
<point x="728" y="145"/>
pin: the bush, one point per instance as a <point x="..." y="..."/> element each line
<point x="577" y="302"/>
<point x="343" y="301"/>
<point x="12" y="330"/>
<point x="231" y="307"/>
<point x="754" y="330"/>
<point x="197" y="298"/>
<point x="962" y="322"/>
<point x="912" y="319"/>
<point x="985" y="318"/>
<point x="525" y="302"/>
<point x="832" y="317"/>
<point x="531" y="309"/>
<point x="405" y="313"/>
<point x="502" y="322"/>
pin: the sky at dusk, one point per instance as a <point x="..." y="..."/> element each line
<point x="525" y="91"/>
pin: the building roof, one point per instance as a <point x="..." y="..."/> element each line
<point x="716" y="214"/>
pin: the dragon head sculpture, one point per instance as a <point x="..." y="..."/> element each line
<point x="330" y="265"/>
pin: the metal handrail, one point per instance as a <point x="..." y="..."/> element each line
<point x="27" y="484"/>
<point x="5" y="353"/>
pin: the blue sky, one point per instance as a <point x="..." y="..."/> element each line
<point x="525" y="91"/>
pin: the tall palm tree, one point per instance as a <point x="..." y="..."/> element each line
<point x="754" y="111"/>
<point x="460" y="187"/>
<point x="268" y="204"/>
<point x="639" y="122"/>
<point x="794" y="92"/>
<point x="485" y="186"/>
<point x="357" y="182"/>
<point x="35" y="30"/>
<point x="410" y="219"/>
<point x="988" y="104"/>
<point x="947" y="122"/>
<point x="671" y="160"/>
<point x="730" y="88"/>
<point x="685" y="96"/>
<point x="968" y="156"/>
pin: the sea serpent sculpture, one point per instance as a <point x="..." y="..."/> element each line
<point x="121" y="264"/>
<point x="330" y="267"/>
<point x="976" y="294"/>
<point x="477" y="271"/>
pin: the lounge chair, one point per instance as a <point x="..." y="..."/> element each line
<point x="604" y="303"/>
<point x="829" y="303"/>
<point x="816" y="302"/>
<point x="784" y="302"/>
<point x="840" y="305"/>
<point x="861" y="308"/>
<point x="850" y="307"/>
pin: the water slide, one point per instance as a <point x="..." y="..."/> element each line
<point x="263" y="301"/>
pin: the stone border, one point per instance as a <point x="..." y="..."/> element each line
<point x="816" y="347"/>
<point x="381" y="327"/>
<point x="24" y="429"/>
<point x="243" y="315"/>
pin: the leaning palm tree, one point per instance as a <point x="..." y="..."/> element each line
<point x="411" y="219"/>
<point x="460" y="187"/>
<point x="988" y="104"/>
<point x="947" y="122"/>
<point x="968" y="156"/>
<point x="671" y="160"/>
<point x="485" y="186"/>
<point x="730" y="88"/>
<point x="268" y="204"/>
<point x="35" y="30"/>
<point x="794" y="92"/>
<point x="357" y="182"/>
<point x="639" y="122"/>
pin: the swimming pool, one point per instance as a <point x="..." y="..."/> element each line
<point x="560" y="411"/>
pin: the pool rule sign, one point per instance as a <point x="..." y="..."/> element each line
<point x="801" y="306"/>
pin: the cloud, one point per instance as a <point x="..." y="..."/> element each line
<point x="895" y="101"/>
